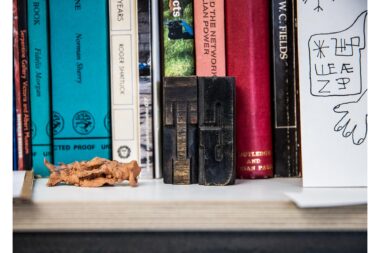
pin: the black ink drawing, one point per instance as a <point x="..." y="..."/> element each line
<point x="320" y="48"/>
<point x="350" y="124"/>
<point x="336" y="70"/>
<point x="318" y="8"/>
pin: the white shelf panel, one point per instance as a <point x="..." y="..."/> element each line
<point x="156" y="190"/>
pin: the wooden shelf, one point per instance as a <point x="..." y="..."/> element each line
<point x="250" y="205"/>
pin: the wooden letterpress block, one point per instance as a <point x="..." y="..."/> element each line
<point x="216" y="108"/>
<point x="180" y="130"/>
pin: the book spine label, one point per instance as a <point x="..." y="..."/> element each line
<point x="124" y="80"/>
<point x="39" y="85"/>
<point x="216" y="109"/>
<point x="145" y="88"/>
<point x="177" y="38"/>
<point x="25" y="84"/>
<point x="156" y="75"/>
<point x="248" y="61"/>
<point x="17" y="88"/>
<point x="180" y="139"/>
<point x="210" y="52"/>
<point x="285" y="127"/>
<point x="80" y="79"/>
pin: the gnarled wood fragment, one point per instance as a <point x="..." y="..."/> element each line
<point x="94" y="173"/>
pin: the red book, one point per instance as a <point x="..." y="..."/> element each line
<point x="210" y="53"/>
<point x="17" y="83"/>
<point x="248" y="59"/>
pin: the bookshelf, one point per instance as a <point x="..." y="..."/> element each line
<point x="250" y="205"/>
<point x="251" y="216"/>
<point x="254" y="207"/>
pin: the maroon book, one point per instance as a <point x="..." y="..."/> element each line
<point x="17" y="84"/>
<point x="248" y="59"/>
<point x="23" y="65"/>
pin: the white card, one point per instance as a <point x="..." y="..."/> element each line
<point x="18" y="182"/>
<point x="329" y="197"/>
<point x="333" y="92"/>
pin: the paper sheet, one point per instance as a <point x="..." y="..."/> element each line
<point x="328" y="197"/>
<point x="333" y="92"/>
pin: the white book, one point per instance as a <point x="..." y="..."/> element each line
<point x="156" y="88"/>
<point x="124" y="80"/>
<point x="333" y="92"/>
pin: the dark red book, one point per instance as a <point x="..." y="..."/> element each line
<point x="17" y="87"/>
<point x="248" y="59"/>
<point x="23" y="52"/>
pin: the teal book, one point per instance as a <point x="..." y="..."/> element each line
<point x="39" y="85"/>
<point x="80" y="79"/>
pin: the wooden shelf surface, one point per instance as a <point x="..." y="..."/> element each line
<point x="250" y="205"/>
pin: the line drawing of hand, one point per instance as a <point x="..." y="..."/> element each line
<point x="354" y="120"/>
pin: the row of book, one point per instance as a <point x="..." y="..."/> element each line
<point x="241" y="39"/>
<point x="82" y="82"/>
<point x="87" y="78"/>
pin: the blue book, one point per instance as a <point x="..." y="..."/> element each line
<point x="80" y="79"/>
<point x="39" y="85"/>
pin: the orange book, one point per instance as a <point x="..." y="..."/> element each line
<point x="209" y="38"/>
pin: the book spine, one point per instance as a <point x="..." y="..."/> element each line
<point x="296" y="80"/>
<point x="145" y="86"/>
<point x="124" y="80"/>
<point x="39" y="85"/>
<point x="156" y="75"/>
<point x="285" y="127"/>
<point x="25" y="82"/>
<point x="248" y="61"/>
<point x="79" y="50"/>
<point x="17" y="88"/>
<point x="210" y="52"/>
<point x="177" y="51"/>
<point x="14" y="130"/>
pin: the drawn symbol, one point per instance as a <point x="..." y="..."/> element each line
<point x="318" y="7"/>
<point x="83" y="122"/>
<point x="34" y="130"/>
<point x="124" y="152"/>
<point x="335" y="60"/>
<point x="320" y="48"/>
<point x="58" y="123"/>
<point x="107" y="121"/>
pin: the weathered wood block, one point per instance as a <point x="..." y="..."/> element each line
<point x="180" y="130"/>
<point x="216" y="108"/>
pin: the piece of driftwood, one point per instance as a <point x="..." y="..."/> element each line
<point x="94" y="173"/>
<point x="180" y="130"/>
<point x="216" y="109"/>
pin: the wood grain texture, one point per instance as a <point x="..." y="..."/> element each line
<point x="217" y="155"/>
<point x="180" y="133"/>
<point x="200" y="215"/>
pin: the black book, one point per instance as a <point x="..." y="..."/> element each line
<point x="286" y="140"/>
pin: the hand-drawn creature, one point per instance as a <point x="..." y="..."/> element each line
<point x="336" y="71"/>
